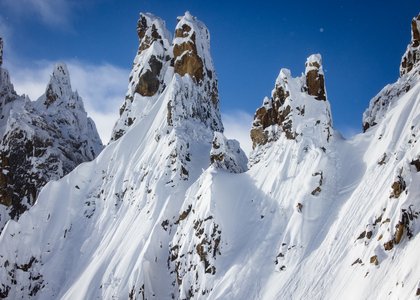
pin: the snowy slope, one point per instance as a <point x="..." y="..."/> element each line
<point x="41" y="140"/>
<point x="169" y="209"/>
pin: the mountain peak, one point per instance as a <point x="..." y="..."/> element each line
<point x="411" y="57"/>
<point x="184" y="68"/>
<point x="291" y="110"/>
<point x="59" y="86"/>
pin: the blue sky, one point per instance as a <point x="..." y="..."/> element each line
<point x="361" y="43"/>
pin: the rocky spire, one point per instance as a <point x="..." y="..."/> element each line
<point x="192" y="62"/>
<point x="293" y="106"/>
<point x="149" y="67"/>
<point x="315" y="77"/>
<point x="411" y="57"/>
<point x="191" y="48"/>
<point x="59" y="87"/>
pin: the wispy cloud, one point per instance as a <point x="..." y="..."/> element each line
<point x="102" y="88"/>
<point x="237" y="126"/>
<point x="51" y="12"/>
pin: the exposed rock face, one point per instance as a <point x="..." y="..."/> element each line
<point x="292" y="100"/>
<point x="412" y="54"/>
<point x="149" y="67"/>
<point x="409" y="76"/>
<point x="41" y="141"/>
<point x="190" y="43"/>
<point x="315" y="77"/>
<point x="227" y="154"/>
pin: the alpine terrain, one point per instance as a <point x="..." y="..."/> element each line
<point x="41" y="140"/>
<point x="172" y="209"/>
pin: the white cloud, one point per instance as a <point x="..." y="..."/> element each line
<point x="102" y="88"/>
<point x="51" y="12"/>
<point x="237" y="126"/>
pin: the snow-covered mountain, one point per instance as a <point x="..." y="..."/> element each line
<point x="169" y="209"/>
<point x="41" y="140"/>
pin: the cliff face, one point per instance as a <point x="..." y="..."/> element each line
<point x="40" y="141"/>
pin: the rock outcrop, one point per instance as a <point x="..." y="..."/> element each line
<point x="227" y="154"/>
<point x="40" y="141"/>
<point x="292" y="104"/>
<point x="411" y="57"/>
<point x="409" y="76"/>
<point x="315" y="77"/>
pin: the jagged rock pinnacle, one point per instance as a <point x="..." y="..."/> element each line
<point x="151" y="31"/>
<point x="412" y="54"/>
<point x="292" y="104"/>
<point x="59" y="85"/>
<point x="191" y="48"/>
<point x="315" y="77"/>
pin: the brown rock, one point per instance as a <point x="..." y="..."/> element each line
<point x="374" y="260"/>
<point x="399" y="231"/>
<point x="146" y="40"/>
<point x="398" y="187"/>
<point x="412" y="55"/>
<point x="186" y="59"/>
<point x="315" y="77"/>
<point x="389" y="245"/>
<point x="148" y="83"/>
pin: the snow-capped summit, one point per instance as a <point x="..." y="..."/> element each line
<point x="59" y="87"/>
<point x="147" y="77"/>
<point x="183" y="68"/>
<point x="40" y="141"/>
<point x="293" y="111"/>
<point x="193" y="67"/>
